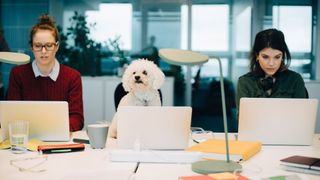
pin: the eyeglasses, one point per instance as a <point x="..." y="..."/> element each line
<point x="47" y="46"/>
<point x="35" y="161"/>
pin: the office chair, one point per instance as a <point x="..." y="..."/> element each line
<point x="119" y="92"/>
<point x="307" y="93"/>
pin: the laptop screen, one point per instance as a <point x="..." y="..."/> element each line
<point x="48" y="120"/>
<point x="153" y="127"/>
<point x="277" y="121"/>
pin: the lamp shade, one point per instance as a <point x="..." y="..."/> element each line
<point x="182" y="57"/>
<point x="14" y="58"/>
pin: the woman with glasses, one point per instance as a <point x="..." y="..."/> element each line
<point x="269" y="75"/>
<point x="44" y="79"/>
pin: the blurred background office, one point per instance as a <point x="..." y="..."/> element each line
<point x="98" y="37"/>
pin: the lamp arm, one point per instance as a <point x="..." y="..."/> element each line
<point x="224" y="112"/>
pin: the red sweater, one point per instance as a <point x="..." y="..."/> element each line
<point x="23" y="85"/>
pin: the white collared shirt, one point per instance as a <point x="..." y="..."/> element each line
<point x="53" y="74"/>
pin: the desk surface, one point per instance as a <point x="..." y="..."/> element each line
<point x="95" y="164"/>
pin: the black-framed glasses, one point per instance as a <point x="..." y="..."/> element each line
<point x="47" y="46"/>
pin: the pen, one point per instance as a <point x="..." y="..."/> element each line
<point x="84" y="141"/>
<point x="195" y="141"/>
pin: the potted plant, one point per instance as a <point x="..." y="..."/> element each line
<point x="83" y="53"/>
<point x="119" y="55"/>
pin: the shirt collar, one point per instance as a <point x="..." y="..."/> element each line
<point x="54" y="73"/>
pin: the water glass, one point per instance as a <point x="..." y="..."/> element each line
<point x="18" y="134"/>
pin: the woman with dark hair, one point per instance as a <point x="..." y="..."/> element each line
<point x="45" y="79"/>
<point x="269" y="75"/>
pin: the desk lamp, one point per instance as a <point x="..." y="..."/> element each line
<point x="184" y="57"/>
<point x="14" y="58"/>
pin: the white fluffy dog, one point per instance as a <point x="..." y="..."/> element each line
<point x="141" y="80"/>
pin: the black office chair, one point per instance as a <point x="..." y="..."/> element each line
<point x="119" y="92"/>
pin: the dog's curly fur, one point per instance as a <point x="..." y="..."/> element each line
<point x="141" y="80"/>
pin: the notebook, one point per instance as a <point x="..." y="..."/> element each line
<point x="216" y="149"/>
<point x="153" y="127"/>
<point x="48" y="120"/>
<point x="277" y="121"/>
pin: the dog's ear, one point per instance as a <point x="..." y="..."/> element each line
<point x="126" y="79"/>
<point x="158" y="77"/>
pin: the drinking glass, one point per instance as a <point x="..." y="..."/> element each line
<point x="18" y="134"/>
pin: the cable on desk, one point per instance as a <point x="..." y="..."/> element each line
<point x="133" y="174"/>
<point x="136" y="168"/>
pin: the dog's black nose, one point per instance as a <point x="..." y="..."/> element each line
<point x="137" y="77"/>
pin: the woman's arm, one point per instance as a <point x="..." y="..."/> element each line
<point x="14" y="90"/>
<point x="76" y="104"/>
<point x="300" y="90"/>
<point x="242" y="90"/>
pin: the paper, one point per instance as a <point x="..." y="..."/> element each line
<point x="32" y="144"/>
<point x="237" y="149"/>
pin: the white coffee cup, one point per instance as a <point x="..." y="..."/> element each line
<point x="97" y="135"/>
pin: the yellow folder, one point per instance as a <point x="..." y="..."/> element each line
<point x="214" y="148"/>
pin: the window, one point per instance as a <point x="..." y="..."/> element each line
<point x="296" y="24"/>
<point x="293" y="21"/>
<point x="209" y="33"/>
<point x="112" y="20"/>
<point x="210" y="27"/>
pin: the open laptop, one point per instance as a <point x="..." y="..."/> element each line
<point x="48" y="120"/>
<point x="153" y="127"/>
<point x="277" y="121"/>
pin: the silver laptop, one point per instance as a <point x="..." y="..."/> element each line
<point x="277" y="121"/>
<point x="153" y="127"/>
<point x="48" y="120"/>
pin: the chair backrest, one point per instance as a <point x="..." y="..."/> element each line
<point x="119" y="92"/>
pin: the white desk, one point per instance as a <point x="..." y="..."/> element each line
<point x="95" y="165"/>
<point x="89" y="164"/>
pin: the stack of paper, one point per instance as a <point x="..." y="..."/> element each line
<point x="302" y="164"/>
<point x="216" y="149"/>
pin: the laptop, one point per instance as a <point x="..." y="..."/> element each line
<point x="277" y="121"/>
<point x="48" y="120"/>
<point x="153" y="127"/>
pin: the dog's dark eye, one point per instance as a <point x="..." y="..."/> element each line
<point x="134" y="72"/>
<point x="145" y="73"/>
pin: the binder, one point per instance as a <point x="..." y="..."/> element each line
<point x="60" y="148"/>
<point x="216" y="149"/>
